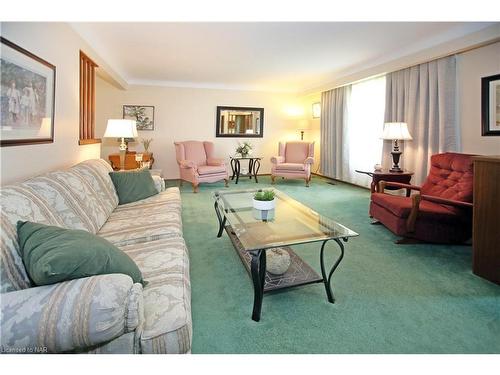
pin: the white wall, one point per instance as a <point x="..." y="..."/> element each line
<point x="58" y="44"/>
<point x="472" y="66"/>
<point x="189" y="114"/>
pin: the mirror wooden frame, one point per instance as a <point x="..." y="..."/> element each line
<point x="225" y="108"/>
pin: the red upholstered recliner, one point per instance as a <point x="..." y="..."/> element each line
<point x="440" y="212"/>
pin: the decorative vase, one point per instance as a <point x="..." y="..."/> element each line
<point x="264" y="215"/>
<point x="277" y="261"/>
<point x="264" y="205"/>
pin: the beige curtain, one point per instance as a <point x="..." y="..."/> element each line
<point x="423" y="96"/>
<point x="334" y="157"/>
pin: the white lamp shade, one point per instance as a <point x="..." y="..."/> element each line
<point x="396" y="130"/>
<point x="121" y="128"/>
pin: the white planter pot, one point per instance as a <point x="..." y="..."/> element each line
<point x="264" y="205"/>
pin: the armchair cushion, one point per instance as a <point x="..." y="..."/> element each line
<point x="72" y="315"/>
<point x="211" y="169"/>
<point x="291" y="166"/>
<point x="195" y="151"/>
<point x="450" y="176"/>
<point x="401" y="207"/>
<point x="296" y="152"/>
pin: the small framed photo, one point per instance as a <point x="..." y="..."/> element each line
<point x="27" y="97"/>
<point x="490" y="105"/>
<point x="144" y="115"/>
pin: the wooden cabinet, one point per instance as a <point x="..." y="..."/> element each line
<point x="130" y="162"/>
<point x="486" y="218"/>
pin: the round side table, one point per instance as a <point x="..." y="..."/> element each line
<point x="253" y="167"/>
<point x="385" y="175"/>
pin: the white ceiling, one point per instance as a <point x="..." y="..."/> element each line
<point x="258" y="56"/>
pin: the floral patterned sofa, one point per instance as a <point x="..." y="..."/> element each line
<point x="105" y="313"/>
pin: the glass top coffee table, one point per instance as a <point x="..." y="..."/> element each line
<point x="253" y="232"/>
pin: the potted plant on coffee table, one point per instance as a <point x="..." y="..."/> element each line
<point x="264" y="200"/>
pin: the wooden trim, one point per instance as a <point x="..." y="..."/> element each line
<point x="412" y="218"/>
<point x="337" y="180"/>
<point x="88" y="141"/>
<point x="419" y="62"/>
<point x="87" y="100"/>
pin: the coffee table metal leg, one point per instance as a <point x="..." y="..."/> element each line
<point x="258" y="270"/>
<point x="238" y="169"/>
<point x="222" y="221"/>
<point x="256" y="167"/>
<point x="232" y="169"/>
<point x="326" y="280"/>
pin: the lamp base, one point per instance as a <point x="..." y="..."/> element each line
<point x="396" y="155"/>
<point x="395" y="170"/>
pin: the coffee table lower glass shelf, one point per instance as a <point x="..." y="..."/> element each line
<point x="290" y="223"/>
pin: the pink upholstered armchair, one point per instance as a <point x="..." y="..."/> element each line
<point x="197" y="163"/>
<point x="294" y="160"/>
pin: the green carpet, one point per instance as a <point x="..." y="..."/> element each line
<point x="389" y="298"/>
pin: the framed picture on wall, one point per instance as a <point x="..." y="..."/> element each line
<point x="144" y="115"/>
<point x="27" y="97"/>
<point x="490" y="105"/>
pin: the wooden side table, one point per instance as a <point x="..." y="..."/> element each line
<point x="130" y="162"/>
<point x="385" y="175"/>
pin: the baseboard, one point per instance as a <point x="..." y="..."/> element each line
<point x="337" y="180"/>
<point x="258" y="175"/>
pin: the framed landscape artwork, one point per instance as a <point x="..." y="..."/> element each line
<point x="490" y="105"/>
<point x="144" y="115"/>
<point x="27" y="97"/>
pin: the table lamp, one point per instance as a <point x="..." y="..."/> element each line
<point x="396" y="131"/>
<point x="121" y="128"/>
<point x="303" y="127"/>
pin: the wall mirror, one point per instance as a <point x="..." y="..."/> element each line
<point x="243" y="122"/>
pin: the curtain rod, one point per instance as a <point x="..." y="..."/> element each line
<point x="456" y="52"/>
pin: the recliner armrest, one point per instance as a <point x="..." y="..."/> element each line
<point x="277" y="159"/>
<point x="70" y="316"/>
<point x="309" y="160"/>
<point x="449" y="202"/>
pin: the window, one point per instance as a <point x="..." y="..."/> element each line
<point x="87" y="100"/>
<point x="365" y="108"/>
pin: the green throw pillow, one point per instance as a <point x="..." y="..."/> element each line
<point x="132" y="186"/>
<point x="52" y="254"/>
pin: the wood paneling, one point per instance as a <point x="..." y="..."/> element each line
<point x="87" y="100"/>
<point x="486" y="218"/>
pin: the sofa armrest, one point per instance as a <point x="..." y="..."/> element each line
<point x="277" y="159"/>
<point x="449" y="202"/>
<point x="70" y="316"/>
<point x="309" y="160"/>
<point x="187" y="164"/>
<point x="215" y="162"/>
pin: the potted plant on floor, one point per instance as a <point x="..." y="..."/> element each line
<point x="264" y="200"/>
